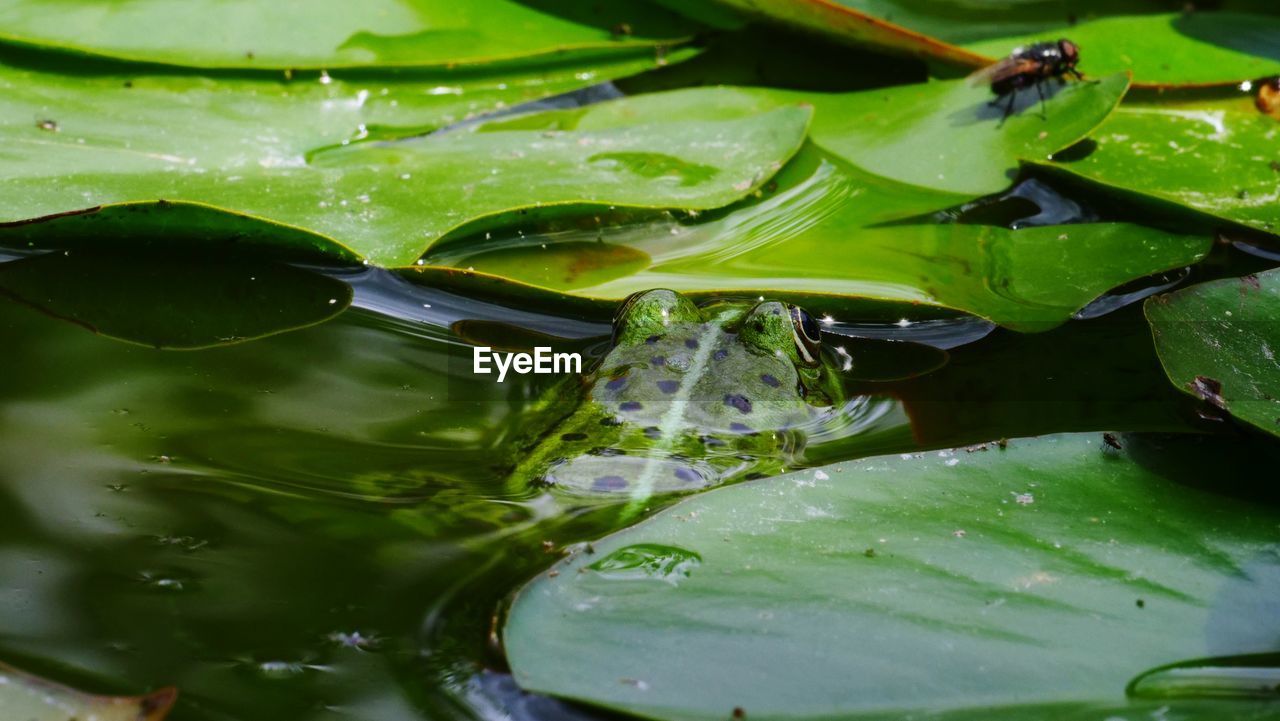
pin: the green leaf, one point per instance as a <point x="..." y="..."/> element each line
<point x="821" y="235"/>
<point x="948" y="136"/>
<point x="336" y="33"/>
<point x="1218" y="157"/>
<point x="178" y="302"/>
<point x="1219" y="342"/>
<point x="973" y="582"/>
<point x="1161" y="48"/>
<point x="275" y="152"/>
<point x="1176" y="49"/>
<point x="30" y="698"/>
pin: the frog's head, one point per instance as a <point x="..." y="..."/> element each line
<point x="778" y="331"/>
<point x="790" y="332"/>
<point x="652" y="312"/>
<point x="780" y="328"/>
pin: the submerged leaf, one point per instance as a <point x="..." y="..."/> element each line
<point x="821" y="236"/>
<point x="178" y="302"/>
<point x="985" y="578"/>
<point x="24" y="697"/>
<point x="1220" y="341"/>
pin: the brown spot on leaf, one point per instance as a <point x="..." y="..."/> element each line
<point x="1209" y="390"/>
<point x="1268" y="100"/>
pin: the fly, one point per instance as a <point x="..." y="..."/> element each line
<point x="1030" y="66"/>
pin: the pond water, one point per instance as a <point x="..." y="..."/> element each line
<point x="317" y="524"/>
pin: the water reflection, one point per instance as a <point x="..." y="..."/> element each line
<point x="318" y="525"/>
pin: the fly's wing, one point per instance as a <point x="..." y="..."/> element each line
<point x="1007" y="68"/>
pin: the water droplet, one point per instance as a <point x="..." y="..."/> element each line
<point x="1243" y="677"/>
<point x="186" y="543"/>
<point x="648" y="561"/>
<point x="160" y="582"/>
<point x="355" y="639"/>
<point x="280" y="669"/>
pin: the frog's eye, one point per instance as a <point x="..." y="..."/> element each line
<point x="652" y="312"/>
<point x="807" y="335"/>
<point x="624" y="310"/>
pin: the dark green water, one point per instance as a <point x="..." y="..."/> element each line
<point x="316" y="525"/>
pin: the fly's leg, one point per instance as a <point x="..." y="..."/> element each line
<point x="1008" y="107"/>
<point x="1040" y="92"/>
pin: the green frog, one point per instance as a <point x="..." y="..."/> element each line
<point x="688" y="398"/>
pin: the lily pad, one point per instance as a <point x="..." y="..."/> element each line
<point x="338" y="34"/>
<point x="30" y="698"/>
<point x="1175" y="49"/>
<point x="818" y="235"/>
<point x="951" y="582"/>
<point x="949" y="136"/>
<point x="1160" y="48"/>
<point x="112" y="143"/>
<point x="176" y="302"/>
<point x="1217" y="157"/>
<point x="1220" y="341"/>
